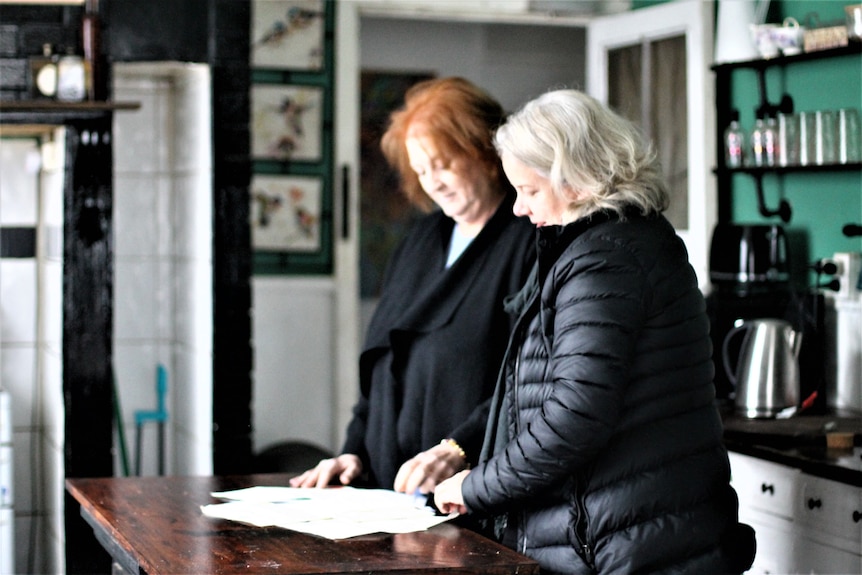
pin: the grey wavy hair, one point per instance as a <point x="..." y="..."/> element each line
<point x="579" y="143"/>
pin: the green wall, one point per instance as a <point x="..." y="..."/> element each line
<point x="822" y="202"/>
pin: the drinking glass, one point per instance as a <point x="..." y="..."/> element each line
<point x="807" y="139"/>
<point x="849" y="136"/>
<point x="826" y="143"/>
<point x="788" y="139"/>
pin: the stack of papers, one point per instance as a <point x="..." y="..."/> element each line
<point x="334" y="513"/>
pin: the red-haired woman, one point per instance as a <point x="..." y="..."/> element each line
<point x="439" y="332"/>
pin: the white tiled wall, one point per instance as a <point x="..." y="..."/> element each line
<point x="163" y="294"/>
<point x="31" y="196"/>
<point x="163" y="259"/>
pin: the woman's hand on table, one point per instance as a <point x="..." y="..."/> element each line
<point x="346" y="467"/>
<point x="425" y="470"/>
<point x="448" y="497"/>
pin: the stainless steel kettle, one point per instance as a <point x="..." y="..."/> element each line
<point x="766" y="374"/>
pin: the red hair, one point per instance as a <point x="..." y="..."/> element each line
<point x="458" y="116"/>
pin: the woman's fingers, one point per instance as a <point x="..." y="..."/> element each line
<point x="346" y="467"/>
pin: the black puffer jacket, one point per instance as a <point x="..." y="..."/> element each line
<point x="609" y="455"/>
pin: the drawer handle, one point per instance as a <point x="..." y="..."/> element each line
<point x="857" y="517"/>
<point x="764" y="488"/>
<point x="814" y="503"/>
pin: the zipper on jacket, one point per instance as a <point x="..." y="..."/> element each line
<point x="522" y="328"/>
<point x="522" y="515"/>
<point x="583" y="548"/>
<point x="523" y="527"/>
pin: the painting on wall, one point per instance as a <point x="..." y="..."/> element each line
<point x="286" y="213"/>
<point x="385" y="213"/>
<point x="287" y="122"/>
<point x="287" y="34"/>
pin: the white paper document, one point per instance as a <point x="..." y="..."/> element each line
<point x="334" y="513"/>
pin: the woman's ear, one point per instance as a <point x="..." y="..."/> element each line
<point x="573" y="195"/>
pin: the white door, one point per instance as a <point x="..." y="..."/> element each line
<point x="346" y="245"/>
<point x="652" y="65"/>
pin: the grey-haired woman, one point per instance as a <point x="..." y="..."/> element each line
<point x="604" y="448"/>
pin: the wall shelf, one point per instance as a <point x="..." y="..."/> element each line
<point x="53" y="112"/>
<point x="762" y="170"/>
<point x="54" y="105"/>
<point x="763" y="63"/>
<point x="784" y="210"/>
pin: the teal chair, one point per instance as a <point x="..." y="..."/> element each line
<point x="158" y="416"/>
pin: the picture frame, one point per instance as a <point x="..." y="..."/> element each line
<point x="287" y="122"/>
<point x="385" y="213"/>
<point x="286" y="213"/>
<point x="288" y="34"/>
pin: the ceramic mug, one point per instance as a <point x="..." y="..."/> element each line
<point x="762" y="36"/>
<point x="773" y="39"/>
<point x="789" y="38"/>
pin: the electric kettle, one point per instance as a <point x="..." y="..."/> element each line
<point x="766" y="376"/>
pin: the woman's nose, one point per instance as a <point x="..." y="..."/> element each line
<point x="518" y="208"/>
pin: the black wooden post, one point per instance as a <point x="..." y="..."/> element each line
<point x="87" y="325"/>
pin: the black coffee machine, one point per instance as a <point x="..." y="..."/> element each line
<point x="749" y="269"/>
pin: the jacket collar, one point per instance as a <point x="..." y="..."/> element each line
<point x="552" y="241"/>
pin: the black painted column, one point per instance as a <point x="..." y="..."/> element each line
<point x="87" y="325"/>
<point x="232" y="334"/>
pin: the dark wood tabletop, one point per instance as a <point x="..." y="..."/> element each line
<point x="154" y="525"/>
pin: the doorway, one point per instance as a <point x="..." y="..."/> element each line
<point x="513" y="62"/>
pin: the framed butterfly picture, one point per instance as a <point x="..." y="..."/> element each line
<point x="285" y="213"/>
<point x="288" y="34"/>
<point x="287" y="122"/>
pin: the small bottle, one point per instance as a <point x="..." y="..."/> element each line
<point x="758" y="142"/>
<point x="734" y="142"/>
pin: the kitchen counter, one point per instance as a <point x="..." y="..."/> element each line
<point x="801" y="442"/>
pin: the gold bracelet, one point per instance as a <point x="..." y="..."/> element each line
<point x="452" y="443"/>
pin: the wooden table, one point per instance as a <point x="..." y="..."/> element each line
<point x="154" y="525"/>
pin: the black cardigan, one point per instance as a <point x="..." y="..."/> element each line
<point x="436" y="340"/>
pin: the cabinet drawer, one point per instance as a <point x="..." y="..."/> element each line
<point x="831" y="509"/>
<point x="764" y="485"/>
<point x="816" y="558"/>
<point x="776" y="543"/>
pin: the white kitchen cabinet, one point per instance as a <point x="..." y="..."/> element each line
<point x="832" y="509"/>
<point x="804" y="524"/>
<point x="812" y="557"/>
<point x="764" y="486"/>
<point x="775" y="541"/>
